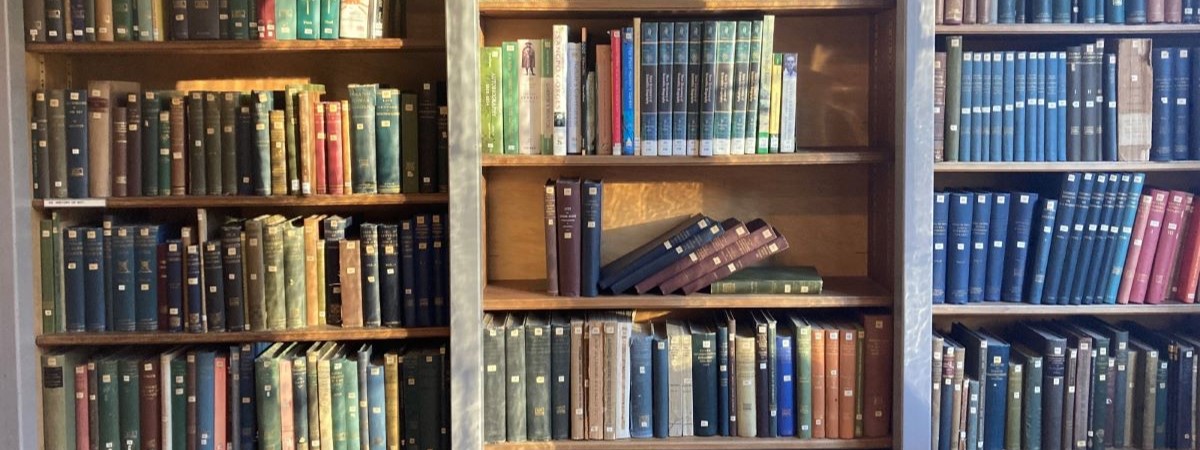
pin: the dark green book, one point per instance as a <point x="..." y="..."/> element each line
<point x="51" y="309"/>
<point x="239" y="19"/>
<point x="410" y="143"/>
<point x="387" y="140"/>
<point x="133" y="144"/>
<point x="266" y="377"/>
<point x="164" y="151"/>
<point x="494" y="378"/>
<point x="255" y="291"/>
<point x="291" y="113"/>
<point x="151" y="107"/>
<point x="1030" y="427"/>
<point x="212" y="143"/>
<point x="741" y="87"/>
<point x="264" y="102"/>
<point x="196" y="156"/>
<point x="108" y="403"/>
<point x="274" y="285"/>
<point x="771" y="280"/>
<point x="425" y="166"/>
<point x="337" y="387"/>
<point x="230" y="101"/>
<point x="41" y="151"/>
<point x="537" y="378"/>
<point x="122" y="21"/>
<point x="362" y="137"/>
<point x="515" y="396"/>
<point x="954" y="64"/>
<point x="178" y="400"/>
<point x="704" y="380"/>
<point x="129" y="395"/>
<point x="752" y="97"/>
<point x="352" y="415"/>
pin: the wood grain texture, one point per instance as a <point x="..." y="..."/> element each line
<point x="1022" y="309"/>
<point x="697" y="443"/>
<point x="235" y="47"/>
<point x="301" y="335"/>
<point x="818" y="156"/>
<point x="247" y="201"/>
<point x="530" y="7"/>
<point x="530" y="295"/>
<point x="1146" y="166"/>
<point x="1035" y="29"/>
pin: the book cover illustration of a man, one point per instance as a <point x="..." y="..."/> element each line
<point x="528" y="59"/>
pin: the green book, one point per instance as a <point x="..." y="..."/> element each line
<point x="308" y="19"/>
<point x="331" y="20"/>
<point x="51" y="310"/>
<point x="741" y="87"/>
<point x="362" y="137"/>
<point x="723" y="114"/>
<point x="803" y="373"/>
<point x="491" y="108"/>
<point x="754" y="75"/>
<point x="266" y="377"/>
<point x="178" y="399"/>
<point x="164" y="152"/>
<point x="766" y="56"/>
<point x="255" y="310"/>
<point x="387" y="140"/>
<point x="264" y="102"/>
<point x="149" y="151"/>
<point x="285" y="20"/>
<point x="196" y="156"/>
<point x="509" y="89"/>
<point x="291" y="117"/>
<point x="56" y="143"/>
<point x="293" y="267"/>
<point x="1029" y="427"/>
<point x="547" y="98"/>
<point x="212" y="143"/>
<point x="954" y="61"/>
<point x="129" y="391"/>
<point x="230" y="101"/>
<point x="409" y="147"/>
<point x="353" y="394"/>
<point x="274" y="285"/>
<point x="239" y="20"/>
<point x="770" y="280"/>
<point x="58" y="400"/>
<point x="1012" y="417"/>
<point x="144" y="24"/>
<point x="337" y="388"/>
<point x="108" y="402"/>
<point x="122" y="23"/>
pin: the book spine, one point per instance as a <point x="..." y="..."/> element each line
<point x="980" y="229"/>
<point x="387" y="140"/>
<point x="708" y="92"/>
<point x="694" y="86"/>
<point x="420" y="156"/>
<point x="666" y="92"/>
<point x="680" y="90"/>
<point x="363" y="136"/>
<point x="953" y="98"/>
<point x="725" y="87"/>
<point x="576" y="97"/>
<point x="334" y="149"/>
<point x="1163" y="135"/>
<point x="765" y="85"/>
<point x="960" y="248"/>
<point x="277" y="139"/>
<point x="787" y="117"/>
<point x="211" y="122"/>
<point x="628" y="83"/>
<point x="741" y="87"/>
<point x="649" y="89"/>
<point x="1148" y="248"/>
<point x="369" y="266"/>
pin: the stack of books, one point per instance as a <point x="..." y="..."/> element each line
<point x="956" y="12"/>
<point x="112" y="140"/>
<point x="1133" y="103"/>
<point x="1080" y="383"/>
<point x="748" y="374"/>
<point x="297" y="395"/>
<point x="699" y="88"/>
<point x="181" y="20"/>
<point x="264" y="273"/>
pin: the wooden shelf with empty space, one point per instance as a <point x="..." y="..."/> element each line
<point x="299" y="335"/>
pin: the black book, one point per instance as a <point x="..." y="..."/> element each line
<point x="389" y="274"/>
<point x="133" y="145"/>
<point x="214" y="286"/>
<point x="439" y="283"/>
<point x="537" y="377"/>
<point x="56" y="30"/>
<point x="704" y="379"/>
<point x="203" y="19"/>
<point x="196" y="158"/>
<point x="151" y="107"/>
<point x="621" y="267"/>
<point x="1180" y="93"/>
<point x="1162" y="136"/>
<point x="427" y="143"/>
<point x="423" y="260"/>
<point x="1111" y="128"/>
<point x="1052" y="347"/>
<point x="179" y="20"/>
<point x="333" y="231"/>
<point x="231" y="240"/>
<point x="408" y="274"/>
<point x="369" y="265"/>
<point x="245" y="146"/>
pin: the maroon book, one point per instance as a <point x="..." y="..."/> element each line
<point x="149" y="406"/>
<point x="1141" y="278"/>
<point x="1168" y="247"/>
<point x="568" y="204"/>
<point x="333" y="148"/>
<point x="759" y="234"/>
<point x="734" y="229"/>
<point x="765" y="251"/>
<point x="319" y="149"/>
<point x="83" y="434"/>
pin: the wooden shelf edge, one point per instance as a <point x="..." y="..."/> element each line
<point x="800" y="158"/>
<point x="235" y="47"/>
<point x="302" y="335"/>
<point x="838" y="292"/>
<point x="722" y="443"/>
<point x="657" y="7"/>
<point x="1103" y="166"/>
<point x="1024" y="309"/>
<point x="244" y="201"/>
<point x="1066" y="28"/>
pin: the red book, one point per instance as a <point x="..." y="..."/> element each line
<point x="614" y="40"/>
<point x="1168" y="247"/>
<point x="1135" y="248"/>
<point x="765" y="251"/>
<point x="220" y="401"/>
<point x="1189" y="262"/>
<point x="319" y="149"/>
<point x="333" y="147"/>
<point x="734" y="229"/>
<point x="1150" y="243"/>
<point x="877" y="375"/>
<point x="82" y="432"/>
<point x="760" y="234"/>
<point x="266" y="20"/>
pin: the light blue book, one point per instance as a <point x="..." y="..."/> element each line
<point x="628" y="134"/>
<point x="376" y="407"/>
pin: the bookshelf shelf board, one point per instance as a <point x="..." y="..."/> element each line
<point x="1025" y="309"/>
<point x="228" y="47"/>
<point x="1102" y="166"/>
<point x="801" y="158"/>
<point x="657" y="7"/>
<point x="245" y="201"/>
<point x="302" y="335"/>
<point x="838" y="292"/>
<point x="1029" y="29"/>
<point x="722" y="443"/>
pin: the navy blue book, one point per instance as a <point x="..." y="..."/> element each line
<point x="422" y="258"/>
<point x="945" y="441"/>
<point x="77" y="143"/>
<point x="959" y="254"/>
<point x="205" y="398"/>
<point x="1041" y="243"/>
<point x="1062" y="232"/>
<point x="1109" y="139"/>
<point x="589" y="264"/>
<point x="1104" y="193"/>
<point x="981" y="203"/>
<point x="1182" y="73"/>
<point x="641" y="405"/>
<point x="75" y="290"/>
<point x="214" y="286"/>
<point x="1040" y="11"/>
<point x="784" y="381"/>
<point x="1114" y="13"/>
<point x="106" y="224"/>
<point x="376" y="401"/>
<point x="389" y="274"/>
<point x="193" y="291"/>
<point x="996" y="149"/>
<point x="1033" y="120"/>
<point x="967" y="98"/>
<point x="440" y="278"/>
<point x="660" y="390"/>
<point x="1135" y="12"/>
<point x="722" y="379"/>
<point x="408" y="273"/>
<point x="1019" y="111"/>
<point x="1162" y="148"/>
<point x="247" y="431"/>
<point x="1061" y="11"/>
<point x="704" y="379"/>
<point x="981" y="145"/>
<point x="666" y="79"/>
<point x="1061" y="67"/>
<point x="666" y="259"/>
<point x="663" y="244"/>
<point x="941" y="225"/>
<point x="1017" y="251"/>
<point x="245" y="135"/>
<point x="1114" y="202"/>
<point x="996" y="246"/>
<point x="146" y="276"/>
<point x="93" y="276"/>
<point x="231" y="242"/>
<point x="175" y="276"/>
<point x="978" y="365"/>
<point x="369" y="265"/>
<point x="995" y="390"/>
<point x="1194" y="104"/>
<point x="300" y="371"/>
<point x="1066" y="273"/>
<point x="1050" y="114"/>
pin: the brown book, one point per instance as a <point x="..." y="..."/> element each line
<point x="578" y="364"/>
<point x="734" y="229"/>
<point x="306" y="102"/>
<point x="104" y="21"/>
<point x="178" y="146"/>
<point x="351" y="279"/>
<point x="133" y="139"/>
<point x="103" y="98"/>
<point x="833" y="385"/>
<point x="278" y="137"/>
<point x="551" y="217"/>
<point x="120" y="152"/>
<point x="939" y="106"/>
<point x="760" y="254"/>
<point x="983" y="12"/>
<point x="567" y="202"/>
<point x="939" y="15"/>
<point x="759" y="234"/>
<point x="970" y="12"/>
<point x="594" y="379"/>
<point x="847" y="380"/>
<point x="818" y="381"/>
<point x="1172" y="11"/>
<point x="82" y="394"/>
<point x="150" y="403"/>
<point x="604" y="104"/>
<point x="191" y="383"/>
<point x="953" y="14"/>
<point x="877" y="371"/>
<point x="1156" y="11"/>
<point x="1135" y="93"/>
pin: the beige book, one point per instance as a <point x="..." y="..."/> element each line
<point x="1135" y="92"/>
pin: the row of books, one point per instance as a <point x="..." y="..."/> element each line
<point x="748" y="374"/>
<point x="114" y="141"/>
<point x="181" y="20"/>
<point x="1082" y="104"/>
<point x="705" y="88"/>
<point x="1079" y="383"/>
<point x="242" y="397"/>
<point x="264" y="273"/>
<point x="1132" y="12"/>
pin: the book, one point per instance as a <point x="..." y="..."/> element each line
<point x="770" y="280"/>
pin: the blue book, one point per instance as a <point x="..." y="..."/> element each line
<point x="959" y="253"/>
<point x="389" y="275"/>
<point x="1017" y="251"/>
<point x="146" y="276"/>
<point x="175" y="277"/>
<point x="982" y="138"/>
<point x="1083" y="205"/>
<point x="1064" y="220"/>
<point x="1109" y="139"/>
<point x="660" y="391"/>
<point x="1007" y="11"/>
<point x="641" y="406"/>
<point x="679" y="99"/>
<point x="192" y="290"/>
<point x="75" y="289"/>
<point x="976" y="366"/>
<point x="408" y="274"/>
<point x="1062" y="10"/>
<point x="665" y="259"/>
<point x="967" y="118"/>
<point x="247" y="431"/>
<point x="723" y="372"/>
<point x="663" y="244"/>
<point x="589" y="264"/>
<point x="1019" y="111"/>
<point x="996" y="119"/>
<point x="423" y="258"/>
<point x="666" y="79"/>
<point x="214" y="286"/>
<point x="1008" y="86"/>
<point x="1194" y="103"/>
<point x="1103" y="197"/>
<point x="628" y="134"/>
<point x="1135" y="12"/>
<point x="1061" y="67"/>
<point x="1087" y="11"/>
<point x="205" y="399"/>
<point x="1041" y="242"/>
<point x="1133" y="198"/>
<point x="1180" y="91"/>
<point x="93" y="278"/>
<point x="1050" y="115"/>
<point x="376" y="408"/>
<point x="1041" y="11"/>
<point x="784" y="382"/>
<point x="995" y="391"/>
<point x="1114" y="12"/>
<point x="941" y="225"/>
<point x="106" y="224"/>
<point x="1032" y="123"/>
<point x="981" y="218"/>
<point x="996" y="248"/>
<point x="123" y="279"/>
<point x="77" y="142"/>
<point x="1114" y="205"/>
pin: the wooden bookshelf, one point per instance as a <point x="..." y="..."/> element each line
<point x="534" y="8"/>
<point x="698" y="443"/>
<point x="838" y="292"/>
<point x="800" y="158"/>
<point x="236" y="47"/>
<point x="1024" y="309"/>
<point x="246" y="201"/>
<point x="1058" y="29"/>
<point x="1072" y="166"/>
<point x="301" y="335"/>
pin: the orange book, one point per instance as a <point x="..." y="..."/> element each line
<point x="847" y="380"/>
<point x="833" y="398"/>
<point x="818" y="381"/>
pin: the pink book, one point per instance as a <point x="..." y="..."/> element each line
<point x="1150" y="242"/>
<point x="82" y="432"/>
<point x="287" y="419"/>
<point x="1168" y="247"/>
<point x="333" y="147"/>
<point x="614" y="40"/>
<point x="1135" y="248"/>
<point x="1189" y="262"/>
<point x="220" y="403"/>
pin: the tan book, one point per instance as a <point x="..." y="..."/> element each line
<point x="1135" y="93"/>
<point x="104" y="21"/>
<point x="313" y="270"/>
<point x="611" y="379"/>
<point x="305" y="102"/>
<point x="104" y="97"/>
<point x="747" y="423"/>
<point x="604" y="106"/>
<point x="391" y="392"/>
<point x="594" y="379"/>
<point x="347" y="167"/>
<point x="578" y="364"/>
<point x="351" y="279"/>
<point x="279" y="185"/>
